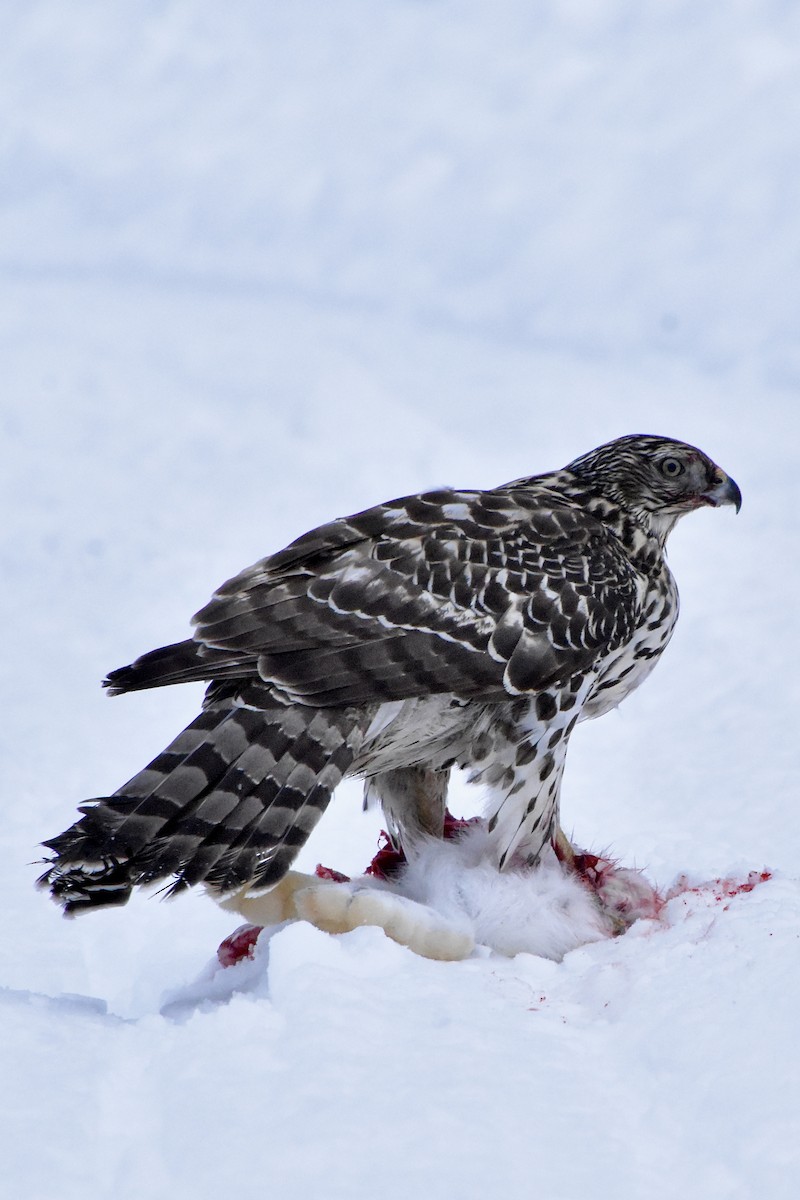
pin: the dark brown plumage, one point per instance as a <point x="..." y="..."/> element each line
<point x="468" y="627"/>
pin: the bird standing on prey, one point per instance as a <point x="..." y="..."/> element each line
<point x="469" y="628"/>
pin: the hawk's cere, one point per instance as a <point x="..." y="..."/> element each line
<point x="454" y="627"/>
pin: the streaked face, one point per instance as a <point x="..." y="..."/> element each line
<point x="658" y="476"/>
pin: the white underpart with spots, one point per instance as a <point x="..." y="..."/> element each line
<point x="625" y="670"/>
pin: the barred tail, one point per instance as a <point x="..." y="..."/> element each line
<point x="228" y="803"/>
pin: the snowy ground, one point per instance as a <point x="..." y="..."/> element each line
<point x="266" y="264"/>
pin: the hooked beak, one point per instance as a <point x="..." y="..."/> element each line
<point x="725" y="492"/>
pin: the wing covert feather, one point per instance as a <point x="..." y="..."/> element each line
<point x="473" y="593"/>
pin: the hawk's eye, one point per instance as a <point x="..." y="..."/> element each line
<point x="672" y="468"/>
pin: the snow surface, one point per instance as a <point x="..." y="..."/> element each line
<point x="264" y="264"/>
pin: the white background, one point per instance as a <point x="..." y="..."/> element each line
<point x="264" y="264"/>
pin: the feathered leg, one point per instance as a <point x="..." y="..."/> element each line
<point x="413" y="800"/>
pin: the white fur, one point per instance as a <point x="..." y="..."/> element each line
<point x="543" y="910"/>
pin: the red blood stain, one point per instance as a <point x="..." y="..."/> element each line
<point x="388" y="859"/>
<point x="329" y="873"/>
<point x="731" y="887"/>
<point x="722" y="888"/>
<point x="453" y="826"/>
<point x="240" y="944"/>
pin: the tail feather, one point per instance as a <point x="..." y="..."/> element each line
<point x="250" y="828"/>
<point x="229" y="803"/>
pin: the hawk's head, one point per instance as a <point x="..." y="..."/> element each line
<point x="657" y="478"/>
